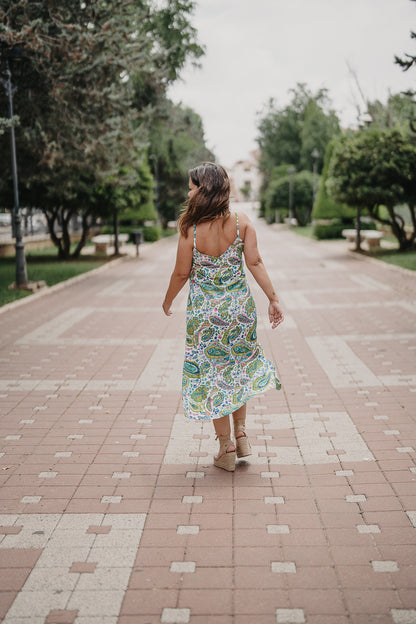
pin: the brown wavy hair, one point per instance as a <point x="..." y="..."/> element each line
<point x="211" y="199"/>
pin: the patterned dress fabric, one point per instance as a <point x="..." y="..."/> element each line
<point x="224" y="363"/>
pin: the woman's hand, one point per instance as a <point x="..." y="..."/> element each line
<point x="275" y="314"/>
<point x="167" y="308"/>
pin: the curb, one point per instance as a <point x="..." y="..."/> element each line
<point x="394" y="267"/>
<point x="52" y="289"/>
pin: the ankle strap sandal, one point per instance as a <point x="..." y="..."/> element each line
<point x="226" y="459"/>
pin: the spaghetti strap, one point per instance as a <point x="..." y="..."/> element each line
<point x="194" y="236"/>
<point x="238" y="227"/>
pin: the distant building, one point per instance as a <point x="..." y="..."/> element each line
<point x="245" y="178"/>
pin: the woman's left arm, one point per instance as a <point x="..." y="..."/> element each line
<point x="180" y="273"/>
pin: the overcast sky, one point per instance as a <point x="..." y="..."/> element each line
<point x="258" y="49"/>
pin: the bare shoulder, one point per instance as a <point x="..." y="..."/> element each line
<point x="245" y="224"/>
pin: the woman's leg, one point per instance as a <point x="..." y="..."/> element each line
<point x="223" y="429"/>
<point x="242" y="441"/>
<point x="239" y="418"/>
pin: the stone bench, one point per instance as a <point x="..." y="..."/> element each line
<point x="372" y="237"/>
<point x="103" y="241"/>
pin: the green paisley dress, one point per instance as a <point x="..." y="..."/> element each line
<point x="224" y="363"/>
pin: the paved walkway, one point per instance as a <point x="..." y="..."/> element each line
<point x="110" y="507"/>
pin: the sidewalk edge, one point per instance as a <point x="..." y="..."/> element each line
<point x="64" y="284"/>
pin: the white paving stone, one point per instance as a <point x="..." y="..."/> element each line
<point x="189" y="529"/>
<point x="385" y="566"/>
<point x="30" y="500"/>
<point x="111" y="499"/>
<point x="343" y="368"/>
<point x="368" y="528"/>
<point x="186" y="567"/>
<point x="195" y="475"/>
<point x="97" y="597"/>
<point x="192" y="499"/>
<point x="278" y="529"/>
<point x="290" y="616"/>
<point x="274" y="500"/>
<point x="355" y="498"/>
<point x="403" y="616"/>
<point x="175" y="616"/>
<point x="412" y="517"/>
<point x="312" y="447"/>
<point x="405" y="449"/>
<point x="270" y="475"/>
<point x="283" y="567"/>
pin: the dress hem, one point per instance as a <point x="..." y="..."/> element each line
<point x="275" y="384"/>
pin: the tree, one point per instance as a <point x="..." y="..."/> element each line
<point x="82" y="127"/>
<point x="325" y="207"/>
<point x="376" y="169"/>
<point x="288" y="135"/>
<point x="398" y="112"/>
<point x="277" y="196"/>
<point x="176" y="144"/>
<point x="406" y="63"/>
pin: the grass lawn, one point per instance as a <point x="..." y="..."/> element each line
<point x="404" y="259"/>
<point x="43" y="265"/>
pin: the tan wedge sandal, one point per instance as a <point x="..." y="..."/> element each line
<point x="226" y="459"/>
<point x="242" y="443"/>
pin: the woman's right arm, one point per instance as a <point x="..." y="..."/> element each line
<point x="180" y="273"/>
<point x="256" y="267"/>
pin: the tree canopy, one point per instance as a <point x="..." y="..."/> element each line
<point x="289" y="134"/>
<point x="90" y="75"/>
<point x="376" y="169"/>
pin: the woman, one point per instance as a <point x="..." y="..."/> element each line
<point x="224" y="364"/>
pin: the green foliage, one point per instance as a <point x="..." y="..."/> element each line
<point x="288" y="135"/>
<point x="334" y="229"/>
<point x="84" y="128"/>
<point x="176" y="144"/>
<point x="325" y="207"/>
<point x="398" y="112"/>
<point x="277" y="196"/>
<point x="375" y="168"/>
<point x="151" y="233"/>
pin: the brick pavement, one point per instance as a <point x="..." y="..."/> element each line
<point x="110" y="507"/>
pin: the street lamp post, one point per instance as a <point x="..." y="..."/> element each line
<point x="21" y="271"/>
<point x="315" y="155"/>
<point x="291" y="170"/>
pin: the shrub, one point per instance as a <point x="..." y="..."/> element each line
<point x="334" y="229"/>
<point x="151" y="233"/>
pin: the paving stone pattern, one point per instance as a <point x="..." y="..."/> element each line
<point x="110" y="508"/>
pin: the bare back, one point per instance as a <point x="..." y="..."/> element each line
<point x="214" y="237"/>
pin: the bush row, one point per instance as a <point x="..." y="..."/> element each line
<point x="334" y="229"/>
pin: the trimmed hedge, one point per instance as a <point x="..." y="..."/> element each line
<point x="334" y="230"/>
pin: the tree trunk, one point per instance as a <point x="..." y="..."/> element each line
<point x="66" y="240"/>
<point x="51" y="220"/>
<point x="84" y="235"/>
<point x="115" y="225"/>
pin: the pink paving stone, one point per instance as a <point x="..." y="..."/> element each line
<point x="99" y="530"/>
<point x="61" y="616"/>
<point x="10" y="530"/>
